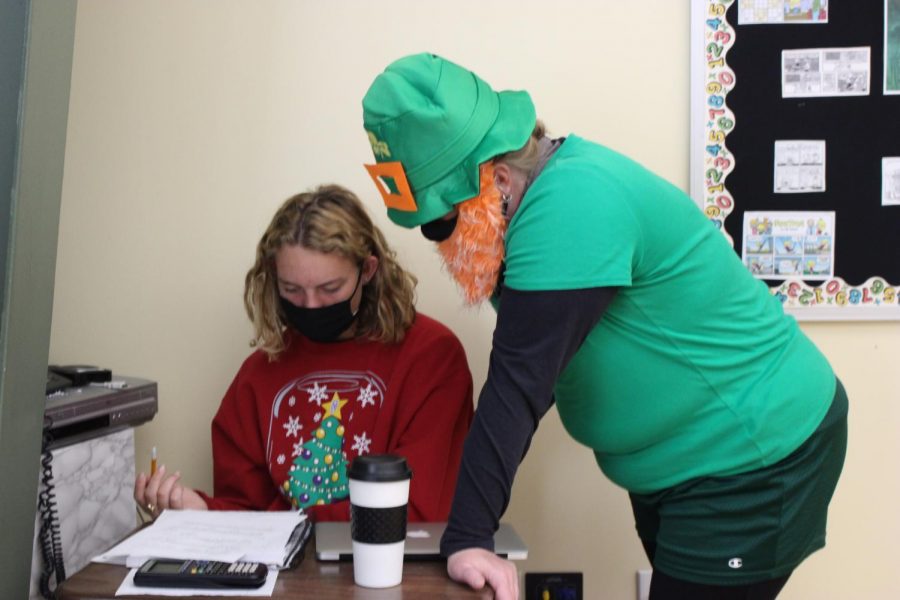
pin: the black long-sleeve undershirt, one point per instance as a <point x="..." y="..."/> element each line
<point x="537" y="333"/>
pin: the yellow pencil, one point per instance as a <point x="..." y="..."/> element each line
<point x="153" y="462"/>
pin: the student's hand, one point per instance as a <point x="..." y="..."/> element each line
<point x="159" y="492"/>
<point x="475" y="567"/>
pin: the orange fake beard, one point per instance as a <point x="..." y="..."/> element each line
<point x="474" y="251"/>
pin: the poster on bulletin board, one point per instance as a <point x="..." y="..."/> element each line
<point x="795" y="147"/>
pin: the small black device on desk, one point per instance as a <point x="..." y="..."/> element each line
<point x="79" y="375"/>
<point x="158" y="572"/>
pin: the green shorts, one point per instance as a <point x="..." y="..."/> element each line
<point x="749" y="527"/>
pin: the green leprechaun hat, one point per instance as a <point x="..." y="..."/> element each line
<point x="431" y="123"/>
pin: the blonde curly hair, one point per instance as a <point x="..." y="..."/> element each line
<point x="330" y="220"/>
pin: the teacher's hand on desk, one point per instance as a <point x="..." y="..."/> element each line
<point x="475" y="567"/>
<point x="159" y="492"/>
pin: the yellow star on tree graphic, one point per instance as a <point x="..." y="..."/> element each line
<point x="333" y="407"/>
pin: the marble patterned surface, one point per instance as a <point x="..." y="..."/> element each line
<point x="93" y="484"/>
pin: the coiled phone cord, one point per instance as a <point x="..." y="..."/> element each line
<point x="51" y="545"/>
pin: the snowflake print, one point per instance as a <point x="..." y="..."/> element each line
<point x="318" y="417"/>
<point x="317" y="393"/>
<point x="367" y="395"/>
<point x="292" y="426"/>
<point x="298" y="448"/>
<point x="280" y="459"/>
<point x="361" y="444"/>
<point x="292" y="401"/>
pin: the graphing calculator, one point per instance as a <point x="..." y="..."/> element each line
<point x="158" y="572"/>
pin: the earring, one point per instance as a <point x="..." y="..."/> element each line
<point x="504" y="203"/>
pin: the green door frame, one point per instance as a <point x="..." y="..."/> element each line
<point x="36" y="70"/>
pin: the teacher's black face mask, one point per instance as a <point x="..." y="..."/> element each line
<point x="322" y="324"/>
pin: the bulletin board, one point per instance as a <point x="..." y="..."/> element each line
<point x="795" y="147"/>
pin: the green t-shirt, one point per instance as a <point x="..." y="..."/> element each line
<point x="694" y="369"/>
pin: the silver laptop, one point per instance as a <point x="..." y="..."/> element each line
<point x="423" y="541"/>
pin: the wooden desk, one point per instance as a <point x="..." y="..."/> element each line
<point x="311" y="579"/>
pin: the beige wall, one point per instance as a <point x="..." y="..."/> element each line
<point x="190" y="121"/>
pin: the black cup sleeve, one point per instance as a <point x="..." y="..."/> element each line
<point x="378" y="525"/>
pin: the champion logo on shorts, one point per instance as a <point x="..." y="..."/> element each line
<point x="736" y="563"/>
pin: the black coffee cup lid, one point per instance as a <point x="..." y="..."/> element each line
<point x="379" y="467"/>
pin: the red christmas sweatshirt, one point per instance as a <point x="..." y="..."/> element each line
<point x="413" y="399"/>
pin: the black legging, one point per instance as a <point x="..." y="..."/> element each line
<point x="664" y="587"/>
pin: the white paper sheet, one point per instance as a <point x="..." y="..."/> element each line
<point x="782" y="12"/>
<point x="799" y="166"/>
<point x="890" y="181"/>
<point x="789" y="245"/>
<point x="812" y="72"/>
<point x="227" y="536"/>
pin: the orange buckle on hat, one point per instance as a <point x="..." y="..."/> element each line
<point x="381" y="173"/>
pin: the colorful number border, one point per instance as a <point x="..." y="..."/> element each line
<point x="718" y="162"/>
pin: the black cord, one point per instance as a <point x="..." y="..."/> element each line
<point x="51" y="546"/>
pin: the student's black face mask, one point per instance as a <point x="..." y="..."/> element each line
<point x="439" y="229"/>
<point x="322" y="324"/>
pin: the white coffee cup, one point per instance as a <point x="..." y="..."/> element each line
<point x="379" y="492"/>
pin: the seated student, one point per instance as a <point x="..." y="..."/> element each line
<point x="345" y="366"/>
